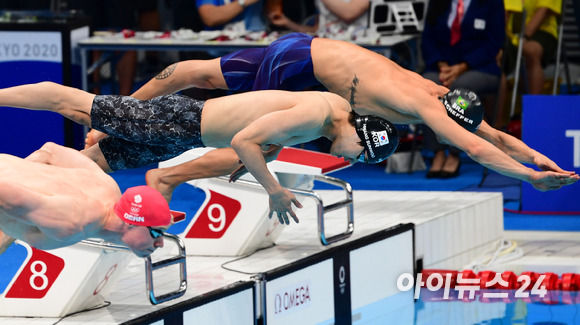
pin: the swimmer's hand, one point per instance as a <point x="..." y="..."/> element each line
<point x="281" y="204"/>
<point x="546" y="164"/>
<point x="549" y="180"/>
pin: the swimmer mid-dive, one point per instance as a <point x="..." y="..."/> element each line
<point x="57" y="197"/>
<point x="145" y="132"/>
<point x="371" y="83"/>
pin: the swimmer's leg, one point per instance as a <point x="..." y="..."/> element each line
<point x="71" y="103"/>
<point x="219" y="162"/>
<point x="93" y="137"/>
<point x="96" y="155"/>
<point x="206" y="74"/>
<point x="5" y="242"/>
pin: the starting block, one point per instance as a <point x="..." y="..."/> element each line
<point x="55" y="283"/>
<point x="233" y="219"/>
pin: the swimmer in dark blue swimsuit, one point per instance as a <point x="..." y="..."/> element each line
<point x="370" y="82"/>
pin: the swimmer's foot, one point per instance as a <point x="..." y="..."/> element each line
<point x="93" y="137"/>
<point x="154" y="178"/>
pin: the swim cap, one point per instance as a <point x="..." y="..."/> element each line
<point x="143" y="206"/>
<point x="379" y="137"/>
<point x="464" y="107"/>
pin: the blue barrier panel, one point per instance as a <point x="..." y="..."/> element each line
<point x="551" y="125"/>
<point x="29" y="57"/>
<point x="31" y="53"/>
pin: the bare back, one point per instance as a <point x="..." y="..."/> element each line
<point x="50" y="206"/>
<point x="371" y="83"/>
<point x="224" y="117"/>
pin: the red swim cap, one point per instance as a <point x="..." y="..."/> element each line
<point x="143" y="206"/>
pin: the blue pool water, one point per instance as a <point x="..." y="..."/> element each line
<point x="556" y="308"/>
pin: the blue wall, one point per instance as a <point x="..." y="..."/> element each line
<point x="551" y="125"/>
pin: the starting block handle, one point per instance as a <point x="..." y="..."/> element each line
<point x="151" y="266"/>
<point x="321" y="208"/>
<point x="99" y="243"/>
<point x="347" y="202"/>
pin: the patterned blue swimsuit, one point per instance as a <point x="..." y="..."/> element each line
<point x="142" y="132"/>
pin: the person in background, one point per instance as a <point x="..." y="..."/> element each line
<point x="460" y="42"/>
<point x="540" y="37"/>
<point x="222" y="14"/>
<point x="334" y="17"/>
<point x="110" y="15"/>
<point x="301" y="11"/>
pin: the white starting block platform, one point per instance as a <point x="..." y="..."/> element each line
<point x="298" y="280"/>
<point x="233" y="219"/>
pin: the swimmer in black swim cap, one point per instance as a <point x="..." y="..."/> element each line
<point x="464" y="107"/>
<point x="378" y="136"/>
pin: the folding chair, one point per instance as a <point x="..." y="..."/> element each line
<point x="568" y="43"/>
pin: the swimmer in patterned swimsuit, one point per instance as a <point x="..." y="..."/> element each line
<point x="145" y="132"/>
<point x="370" y="82"/>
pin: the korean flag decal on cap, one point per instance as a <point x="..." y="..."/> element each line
<point x="382" y="137"/>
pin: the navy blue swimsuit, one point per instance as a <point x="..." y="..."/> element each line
<point x="286" y="65"/>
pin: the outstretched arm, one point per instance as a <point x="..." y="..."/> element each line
<point x="71" y="103"/>
<point x="517" y="149"/>
<point x="487" y="154"/>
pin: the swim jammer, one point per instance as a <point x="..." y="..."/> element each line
<point x="144" y="132"/>
<point x="286" y="64"/>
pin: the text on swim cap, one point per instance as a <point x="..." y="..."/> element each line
<point x="457" y="112"/>
<point x="133" y="218"/>
<point x="368" y="142"/>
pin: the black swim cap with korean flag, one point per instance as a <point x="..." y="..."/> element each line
<point x="464" y="107"/>
<point x="378" y="136"/>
